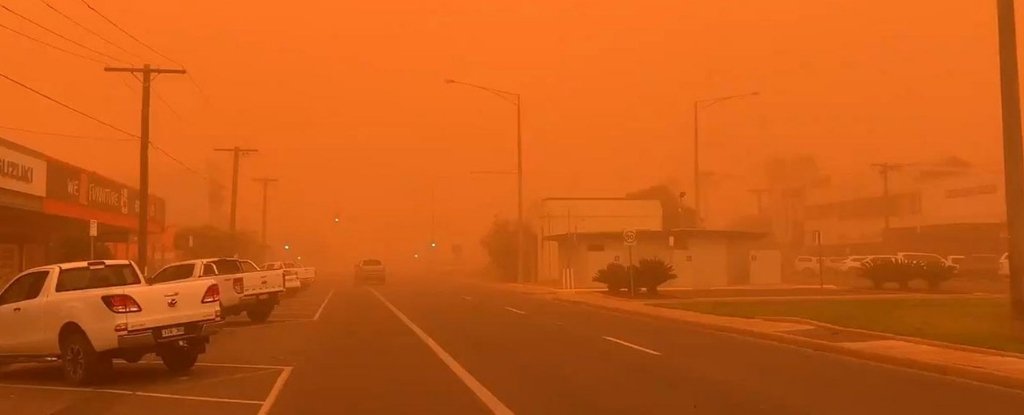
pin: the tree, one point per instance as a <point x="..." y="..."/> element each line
<point x="212" y="242"/>
<point x="76" y="248"/>
<point x="674" y="214"/>
<point x="501" y="243"/>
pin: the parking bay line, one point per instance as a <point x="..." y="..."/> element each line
<point x="474" y="385"/>
<point x="324" y="305"/>
<point x="628" y="344"/>
<point x="515" y="311"/>
<point x="135" y="393"/>
<point x="275" y="391"/>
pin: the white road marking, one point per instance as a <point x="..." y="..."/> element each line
<point x="124" y="392"/>
<point x="157" y="362"/>
<point x="322" y="306"/>
<point x="515" y="311"/>
<point x="628" y="344"/>
<point x="278" y="386"/>
<point x="474" y="385"/>
<point x="467" y="298"/>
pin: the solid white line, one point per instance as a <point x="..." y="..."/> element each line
<point x="272" y="397"/>
<point x="124" y="392"/>
<point x="467" y="298"/>
<point x="628" y="344"/>
<point x="322" y="306"/>
<point x="481" y="392"/>
<point x="157" y="362"/>
<point x="515" y="311"/>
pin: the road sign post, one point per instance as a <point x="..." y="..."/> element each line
<point x="821" y="263"/>
<point x="629" y="238"/>
<point x="93" y="231"/>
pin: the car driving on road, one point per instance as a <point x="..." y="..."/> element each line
<point x="244" y="287"/>
<point x="86" y="314"/>
<point x="370" y="271"/>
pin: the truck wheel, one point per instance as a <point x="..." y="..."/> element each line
<point x="82" y="364"/>
<point x="179" y="359"/>
<point x="132" y="358"/>
<point x="259" y="313"/>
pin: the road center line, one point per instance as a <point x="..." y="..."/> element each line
<point x="628" y="344"/>
<point x="474" y="385"/>
<point x="324" y="305"/>
<point x="272" y="396"/>
<point x="515" y="311"/>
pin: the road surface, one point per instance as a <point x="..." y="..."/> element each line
<point x="443" y="346"/>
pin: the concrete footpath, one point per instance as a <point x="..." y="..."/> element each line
<point x="977" y="364"/>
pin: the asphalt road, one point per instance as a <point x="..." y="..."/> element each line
<point x="433" y="345"/>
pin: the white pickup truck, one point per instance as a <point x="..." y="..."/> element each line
<point x="88" y="313"/>
<point x="296" y="276"/>
<point x="243" y="287"/>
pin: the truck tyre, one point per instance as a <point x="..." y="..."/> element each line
<point x="82" y="365"/>
<point x="179" y="359"/>
<point x="260" y="312"/>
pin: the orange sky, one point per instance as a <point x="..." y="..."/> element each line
<point x="345" y="100"/>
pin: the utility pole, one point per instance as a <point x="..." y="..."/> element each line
<point x="884" y="169"/>
<point x="1013" y="153"/>
<point x="759" y="193"/>
<point x="237" y="154"/>
<point x="266" y="181"/>
<point x="148" y="73"/>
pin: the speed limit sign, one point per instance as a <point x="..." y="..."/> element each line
<point x="629" y="237"/>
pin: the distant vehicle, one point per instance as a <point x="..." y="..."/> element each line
<point x="835" y="263"/>
<point x="871" y="260"/>
<point x="975" y="265"/>
<point x="1004" y="265"/>
<point x="244" y="287"/>
<point x="923" y="258"/>
<point x="296" y="276"/>
<point x="88" y="313"/>
<point x="852" y="264"/>
<point x="370" y="271"/>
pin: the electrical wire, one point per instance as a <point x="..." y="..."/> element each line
<point x="178" y="161"/>
<point x="50" y="45"/>
<point x="55" y="33"/>
<point x="68" y="107"/>
<point x="87" y="29"/>
<point x="65" y="135"/>
<point x="118" y="27"/>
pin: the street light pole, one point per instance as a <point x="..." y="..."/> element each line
<point x="697" y="106"/>
<point x="514" y="99"/>
<point x="1013" y="153"/>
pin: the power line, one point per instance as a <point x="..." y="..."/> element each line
<point x="151" y="49"/>
<point x="50" y="45"/>
<point x="178" y="161"/>
<point x="87" y="29"/>
<point x="59" y="35"/>
<point x="72" y="109"/>
<point x="65" y="135"/>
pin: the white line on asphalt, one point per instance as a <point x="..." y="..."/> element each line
<point x="124" y="392"/>
<point x="272" y="397"/>
<point x="474" y="385"/>
<point x="628" y="344"/>
<point x="467" y="298"/>
<point x="322" y="306"/>
<point x="157" y="362"/>
<point x="515" y="311"/>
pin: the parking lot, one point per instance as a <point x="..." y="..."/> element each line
<point x="234" y="377"/>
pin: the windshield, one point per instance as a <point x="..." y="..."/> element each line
<point x="375" y="262"/>
<point x="83" y="278"/>
<point x="227" y="266"/>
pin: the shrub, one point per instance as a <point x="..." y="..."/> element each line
<point x="652" y="272"/>
<point x="614" y="275"/>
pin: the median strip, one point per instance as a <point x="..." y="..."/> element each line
<point x="631" y="345"/>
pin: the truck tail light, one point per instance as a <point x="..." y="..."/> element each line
<point x="212" y="294"/>
<point x="238" y="285"/>
<point x="121" y="303"/>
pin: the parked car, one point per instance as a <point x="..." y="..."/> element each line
<point x="370" y="271"/>
<point x="1004" y="265"/>
<point x="835" y="263"/>
<point x="244" y="287"/>
<point x="856" y="268"/>
<point x="806" y="265"/>
<point x="86" y="314"/>
<point x="978" y="265"/>
<point x="296" y="276"/>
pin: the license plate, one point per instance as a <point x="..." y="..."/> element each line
<point x="263" y="297"/>
<point x="173" y="331"/>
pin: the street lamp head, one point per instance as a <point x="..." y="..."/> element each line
<point x="449" y="81"/>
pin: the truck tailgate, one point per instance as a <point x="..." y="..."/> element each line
<point x="171" y="304"/>
<point x="262" y="282"/>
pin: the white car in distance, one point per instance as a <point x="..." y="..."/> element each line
<point x="85" y="314"/>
